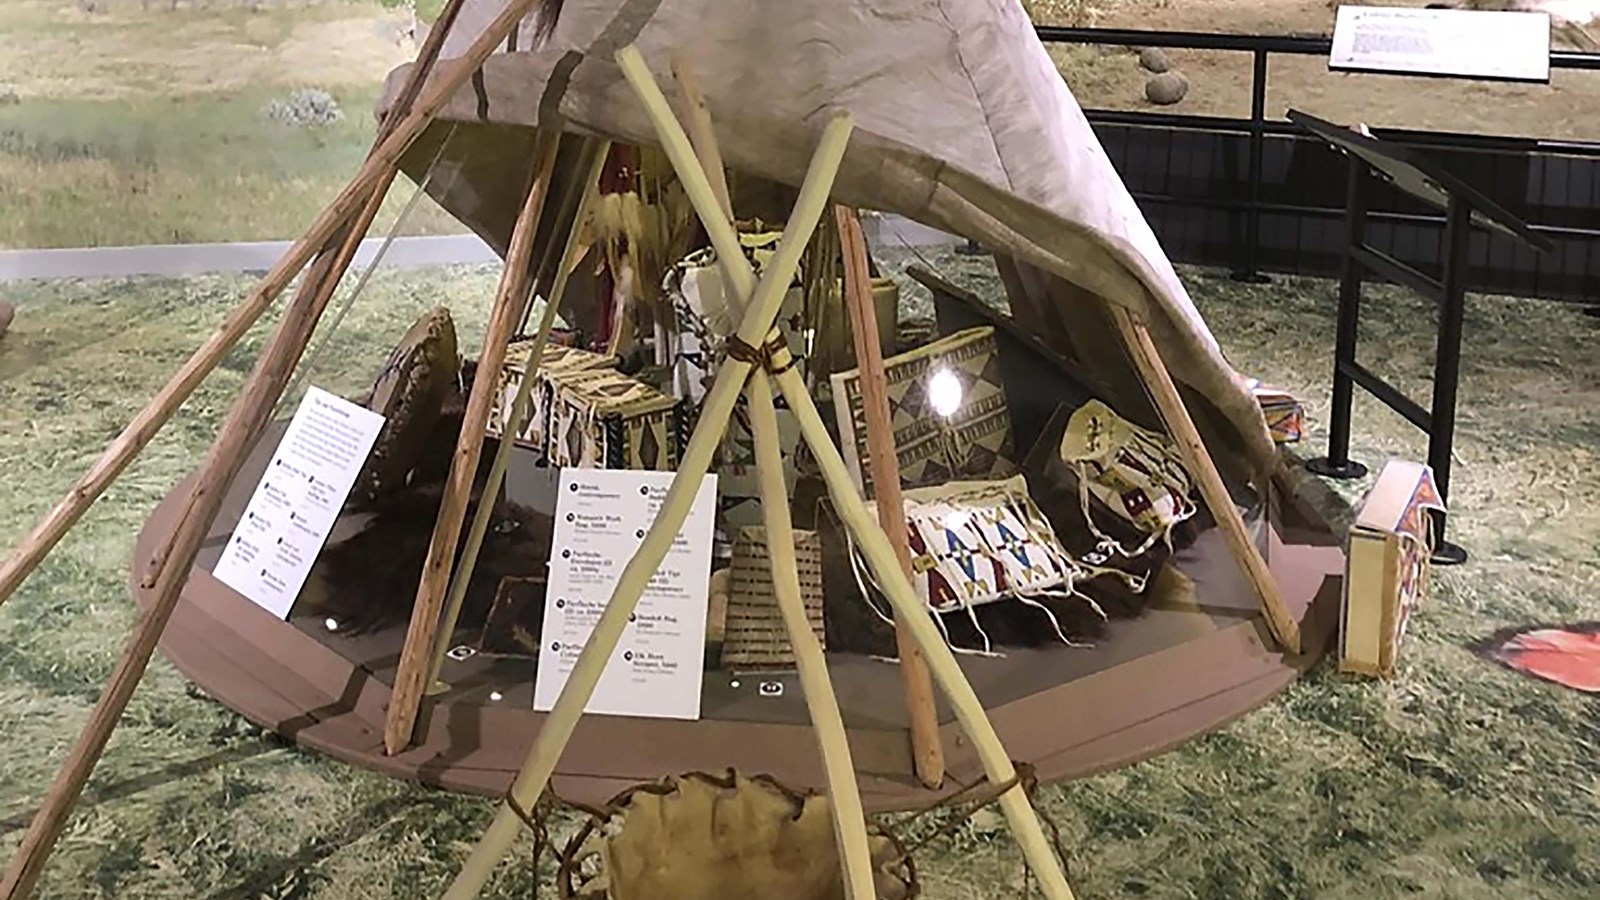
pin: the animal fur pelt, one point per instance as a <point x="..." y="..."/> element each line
<point x="369" y="582"/>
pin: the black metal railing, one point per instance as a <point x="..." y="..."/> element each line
<point x="1243" y="196"/>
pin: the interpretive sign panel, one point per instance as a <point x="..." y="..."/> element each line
<point x="601" y="519"/>
<point x="1456" y="43"/>
<point x="298" y="500"/>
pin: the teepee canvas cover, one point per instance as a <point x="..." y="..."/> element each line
<point x="962" y="123"/>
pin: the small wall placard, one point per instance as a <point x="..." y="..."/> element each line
<point x="1456" y="43"/>
<point x="601" y="519"/>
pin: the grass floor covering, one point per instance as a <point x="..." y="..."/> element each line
<point x="1457" y="780"/>
<point x="139" y="122"/>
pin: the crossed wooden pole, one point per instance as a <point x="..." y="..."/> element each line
<point x="329" y="245"/>
<point x="756" y="357"/>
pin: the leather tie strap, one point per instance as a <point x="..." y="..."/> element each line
<point x="745" y="353"/>
<point x="519" y="812"/>
<point x="764" y="356"/>
<point x="775" y="349"/>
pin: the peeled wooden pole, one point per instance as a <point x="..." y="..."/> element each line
<point x="1200" y="465"/>
<point x="222" y="463"/>
<point x="558" y="726"/>
<point x="883" y="456"/>
<point x="849" y="816"/>
<point x="227" y="454"/>
<point x="844" y="795"/>
<point x="885" y="566"/>
<point x="701" y="134"/>
<point x="969" y="709"/>
<point x="308" y="363"/>
<point x="589" y="188"/>
<point x="380" y="164"/>
<point x="927" y="752"/>
<point x="512" y="297"/>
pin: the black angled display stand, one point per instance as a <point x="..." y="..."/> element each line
<point x="1464" y="206"/>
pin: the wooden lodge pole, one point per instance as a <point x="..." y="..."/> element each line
<point x="589" y="188"/>
<point x="511" y="299"/>
<point x="997" y="765"/>
<point x="227" y="454"/>
<point x="844" y="795"/>
<point x="1212" y="489"/>
<point x="927" y="752"/>
<point x="926" y="749"/>
<point x="380" y="163"/>
<point x="702" y="136"/>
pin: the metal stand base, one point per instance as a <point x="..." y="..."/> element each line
<point x="1344" y="471"/>
<point x="1448" y="554"/>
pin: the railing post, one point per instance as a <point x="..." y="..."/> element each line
<point x="1447" y="368"/>
<point x="1249" y="271"/>
<point x="1338" y="464"/>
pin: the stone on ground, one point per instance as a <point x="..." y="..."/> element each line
<point x="1166" y="89"/>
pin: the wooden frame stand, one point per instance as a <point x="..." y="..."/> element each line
<point x="331" y="240"/>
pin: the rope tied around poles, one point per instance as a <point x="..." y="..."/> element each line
<point x="772" y="356"/>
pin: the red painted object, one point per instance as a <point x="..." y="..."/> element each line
<point x="1568" y="655"/>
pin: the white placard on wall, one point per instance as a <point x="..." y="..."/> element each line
<point x="298" y="500"/>
<point x="1459" y="43"/>
<point x="601" y="519"/>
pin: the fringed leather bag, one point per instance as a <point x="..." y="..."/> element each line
<point x="730" y="837"/>
<point x="1131" y="473"/>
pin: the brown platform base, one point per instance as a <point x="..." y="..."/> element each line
<point x="1188" y="665"/>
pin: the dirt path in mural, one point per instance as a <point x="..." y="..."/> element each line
<point x="1219" y="82"/>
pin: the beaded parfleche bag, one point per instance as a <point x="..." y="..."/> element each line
<point x="1132" y="472"/>
<point x="979" y="542"/>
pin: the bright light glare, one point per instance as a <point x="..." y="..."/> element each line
<point x="495" y="695"/>
<point x="944" y="392"/>
<point x="332" y="624"/>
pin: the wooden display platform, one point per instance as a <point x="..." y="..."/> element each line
<point x="1183" y="668"/>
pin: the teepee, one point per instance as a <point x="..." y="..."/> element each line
<point x="963" y="124"/>
<point x="946" y="111"/>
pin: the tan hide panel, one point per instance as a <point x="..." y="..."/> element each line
<point x="962" y="123"/>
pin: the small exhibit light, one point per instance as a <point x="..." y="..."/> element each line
<point x="944" y="392"/>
